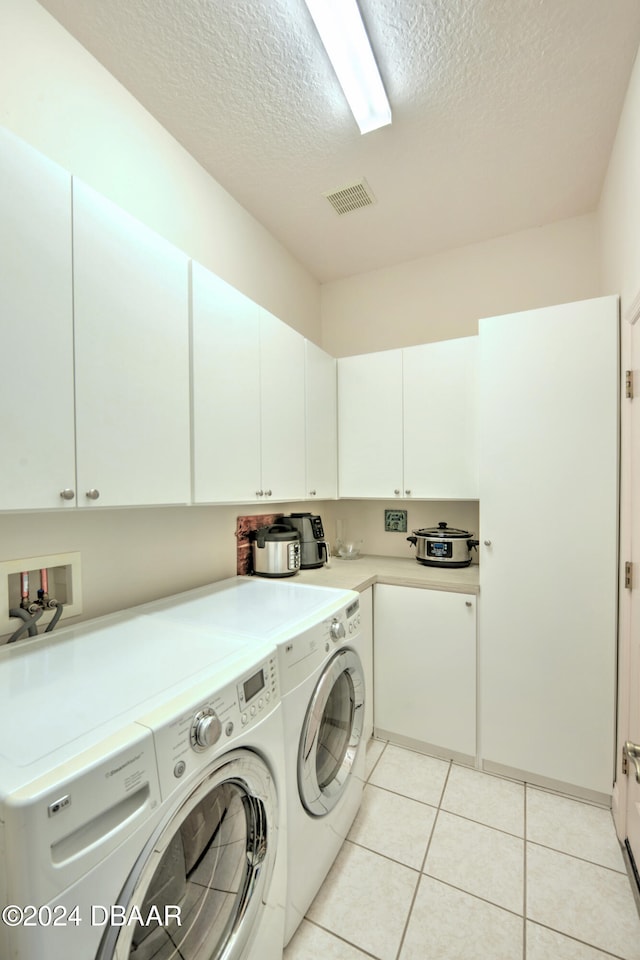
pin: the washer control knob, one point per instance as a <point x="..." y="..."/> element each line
<point x="205" y="729"/>
<point x="337" y="630"/>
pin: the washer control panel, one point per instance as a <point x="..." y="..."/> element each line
<point x="352" y="614"/>
<point x="205" y="729"/>
<point x="202" y="722"/>
<point x="257" y="691"/>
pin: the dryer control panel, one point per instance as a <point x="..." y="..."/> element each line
<point x="198" y="725"/>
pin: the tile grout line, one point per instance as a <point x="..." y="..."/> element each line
<point x="583" y="943"/>
<point x="337" y="936"/>
<point x="424" y="860"/>
<point x="382" y="752"/>
<point x="573" y="856"/>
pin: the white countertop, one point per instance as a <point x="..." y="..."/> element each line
<point x="365" y="570"/>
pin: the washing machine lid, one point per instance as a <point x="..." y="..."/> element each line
<point x="269" y="610"/>
<point x="61" y="695"/>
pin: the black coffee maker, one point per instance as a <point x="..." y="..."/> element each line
<point x="314" y="549"/>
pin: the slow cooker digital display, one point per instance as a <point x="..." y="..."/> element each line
<point x="443" y="551"/>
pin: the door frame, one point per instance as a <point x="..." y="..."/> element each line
<point x="630" y="317"/>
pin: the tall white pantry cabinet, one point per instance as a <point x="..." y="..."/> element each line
<point x="548" y="414"/>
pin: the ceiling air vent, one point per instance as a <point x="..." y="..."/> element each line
<point x="351" y="197"/>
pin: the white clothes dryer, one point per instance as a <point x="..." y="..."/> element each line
<point x="323" y="698"/>
<point x="142" y="809"/>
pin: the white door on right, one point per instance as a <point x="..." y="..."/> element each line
<point x="632" y="730"/>
<point x="549" y="401"/>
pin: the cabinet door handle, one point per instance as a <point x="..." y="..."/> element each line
<point x="408" y="492"/>
<point x="312" y="493"/>
<point x="259" y="493"/>
<point x="267" y="493"/>
<point x="468" y="603"/>
<point x="92" y="494"/>
<point x="397" y="492"/>
<point x="487" y="543"/>
<point x="67" y="493"/>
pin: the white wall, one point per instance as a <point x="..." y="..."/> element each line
<point x="443" y="296"/>
<point x="57" y="97"/>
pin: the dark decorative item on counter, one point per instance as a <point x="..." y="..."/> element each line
<point x="244" y="528"/>
<point x="443" y="546"/>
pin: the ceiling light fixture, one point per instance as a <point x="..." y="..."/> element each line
<point x="342" y="32"/>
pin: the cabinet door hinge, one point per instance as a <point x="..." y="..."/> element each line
<point x="625" y="762"/>
<point x="628" y="384"/>
<point x="628" y="575"/>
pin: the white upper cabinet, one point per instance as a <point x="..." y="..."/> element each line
<point x="370" y="425"/>
<point x="36" y="387"/>
<point x="248" y="398"/>
<point x="440" y="420"/>
<point x="549" y="401"/>
<point x="407" y="422"/>
<point x="226" y="391"/>
<point x="282" y="407"/>
<point x="132" y="358"/>
<point x="321" y="427"/>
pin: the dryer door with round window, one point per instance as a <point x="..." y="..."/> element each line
<point x="204" y="872"/>
<point x="331" y="734"/>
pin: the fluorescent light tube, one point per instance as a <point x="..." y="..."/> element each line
<point x="345" y="39"/>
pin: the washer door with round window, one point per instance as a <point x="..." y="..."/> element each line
<point x="196" y="890"/>
<point x="331" y="733"/>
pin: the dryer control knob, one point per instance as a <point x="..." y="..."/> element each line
<point x="206" y="730"/>
<point x="337" y="630"/>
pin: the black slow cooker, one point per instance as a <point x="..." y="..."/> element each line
<point x="443" y="546"/>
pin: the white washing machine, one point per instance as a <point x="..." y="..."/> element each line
<point x="142" y="813"/>
<point x="316" y="631"/>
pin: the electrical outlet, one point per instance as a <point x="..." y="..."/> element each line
<point x="65" y="586"/>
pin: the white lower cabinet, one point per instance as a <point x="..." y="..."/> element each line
<point x="425" y="667"/>
<point x="366" y="629"/>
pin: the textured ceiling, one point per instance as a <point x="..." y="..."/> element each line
<point x="504" y="112"/>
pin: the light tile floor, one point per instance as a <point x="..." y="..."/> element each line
<point x="447" y="863"/>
